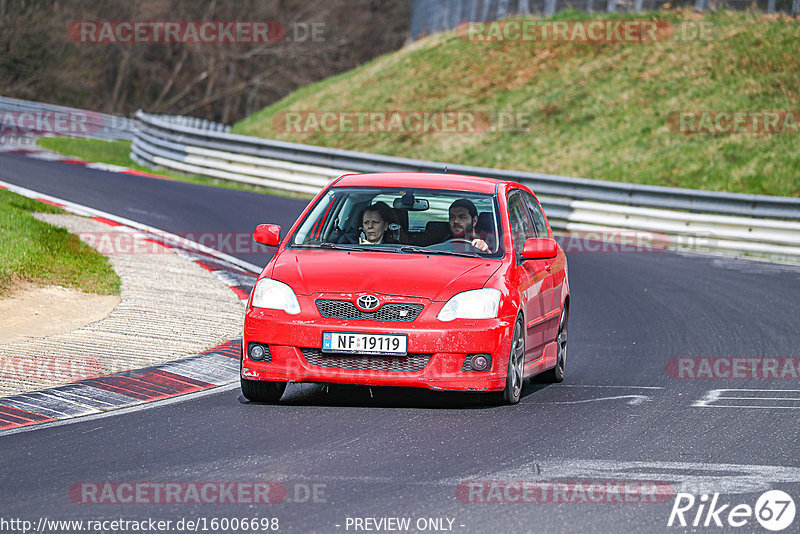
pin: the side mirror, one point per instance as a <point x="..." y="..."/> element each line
<point x="539" y="249"/>
<point x="267" y="234"/>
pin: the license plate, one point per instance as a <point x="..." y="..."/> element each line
<point x="359" y="343"/>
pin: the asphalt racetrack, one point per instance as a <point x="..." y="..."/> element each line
<point x="343" y="459"/>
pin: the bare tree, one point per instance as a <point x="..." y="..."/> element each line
<point x="40" y="60"/>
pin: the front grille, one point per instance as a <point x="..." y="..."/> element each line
<point x="344" y="309"/>
<point x="467" y="367"/>
<point x="409" y="363"/>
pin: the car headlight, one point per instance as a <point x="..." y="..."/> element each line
<point x="276" y="295"/>
<point x="473" y="304"/>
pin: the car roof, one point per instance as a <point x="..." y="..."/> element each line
<point x="421" y="180"/>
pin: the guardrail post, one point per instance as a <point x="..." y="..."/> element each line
<point x="549" y="8"/>
<point x="524" y="7"/>
<point x="473" y="10"/>
<point x="638" y="6"/>
<point x="612" y="6"/>
<point x="590" y="6"/>
<point x="795" y="7"/>
<point x="502" y="9"/>
<point x="700" y="5"/>
<point x="771" y="6"/>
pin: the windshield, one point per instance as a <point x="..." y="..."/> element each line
<point x="419" y="221"/>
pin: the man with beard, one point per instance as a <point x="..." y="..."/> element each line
<point x="463" y="217"/>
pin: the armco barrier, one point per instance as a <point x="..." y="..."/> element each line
<point x="41" y="119"/>
<point x="753" y="224"/>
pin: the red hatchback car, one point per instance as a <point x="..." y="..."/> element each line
<point x="438" y="281"/>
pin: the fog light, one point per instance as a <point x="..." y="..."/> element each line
<point x="256" y="352"/>
<point x="477" y="363"/>
<point x="480" y="362"/>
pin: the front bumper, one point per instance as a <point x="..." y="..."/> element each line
<point x="436" y="350"/>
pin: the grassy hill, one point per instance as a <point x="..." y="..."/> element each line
<point x="596" y="110"/>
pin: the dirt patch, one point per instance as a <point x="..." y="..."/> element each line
<point x="31" y="311"/>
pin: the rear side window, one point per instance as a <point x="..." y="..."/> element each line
<point x="520" y="227"/>
<point x="535" y="213"/>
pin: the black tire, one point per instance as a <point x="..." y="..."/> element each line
<point x="260" y="391"/>
<point x="515" y="372"/>
<point x="556" y="374"/>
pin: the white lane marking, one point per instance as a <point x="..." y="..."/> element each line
<point x="27" y="405"/>
<point x="48" y="156"/>
<point x="592" y="386"/>
<point x="172" y="239"/>
<point x="690" y="477"/>
<point x="634" y="399"/>
<point x="53" y="402"/>
<point x="208" y="368"/>
<point x="141" y="405"/>
<point x="89" y="395"/>
<point x="106" y="167"/>
<point x="716" y="398"/>
<point x="235" y="279"/>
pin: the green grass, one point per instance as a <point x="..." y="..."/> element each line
<point x="118" y="153"/>
<point x="36" y="252"/>
<point x="598" y="110"/>
<point x="113" y="152"/>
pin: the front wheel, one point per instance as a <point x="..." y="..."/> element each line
<point x="516" y="367"/>
<point x="260" y="391"/>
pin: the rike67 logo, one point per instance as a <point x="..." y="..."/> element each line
<point x="774" y="510"/>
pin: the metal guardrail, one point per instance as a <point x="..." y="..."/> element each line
<point x="704" y="220"/>
<point x="431" y="16"/>
<point x="27" y="118"/>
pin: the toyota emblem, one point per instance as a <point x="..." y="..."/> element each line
<point x="368" y="302"/>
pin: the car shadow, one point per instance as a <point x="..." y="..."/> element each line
<point x="356" y="396"/>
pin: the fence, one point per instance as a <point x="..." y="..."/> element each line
<point x="430" y="16"/>
<point x="754" y="224"/>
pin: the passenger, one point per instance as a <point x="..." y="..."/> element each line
<point x="463" y="217"/>
<point x="378" y="225"/>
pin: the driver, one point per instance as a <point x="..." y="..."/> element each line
<point x="463" y="217"/>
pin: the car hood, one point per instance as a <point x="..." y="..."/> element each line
<point x="436" y="277"/>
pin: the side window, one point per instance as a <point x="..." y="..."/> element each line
<point x="520" y="227"/>
<point x="536" y="215"/>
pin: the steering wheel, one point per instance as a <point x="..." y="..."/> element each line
<point x="460" y="240"/>
<point x="455" y="244"/>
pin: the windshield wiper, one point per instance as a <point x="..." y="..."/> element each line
<point x="423" y="250"/>
<point x="354" y="248"/>
<point x="335" y="246"/>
